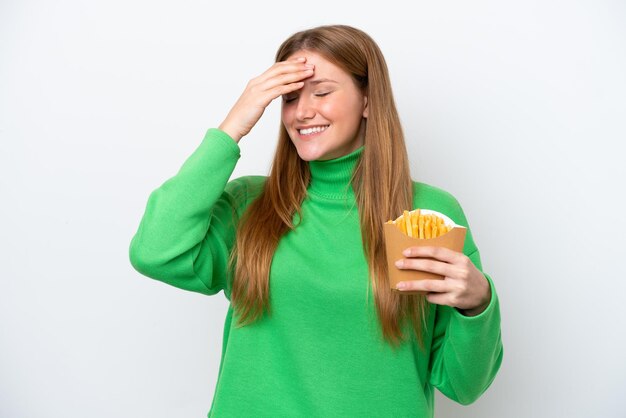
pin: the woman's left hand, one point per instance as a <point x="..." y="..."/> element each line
<point x="463" y="287"/>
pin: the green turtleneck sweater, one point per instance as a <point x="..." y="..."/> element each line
<point x="320" y="353"/>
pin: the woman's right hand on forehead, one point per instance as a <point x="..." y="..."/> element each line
<point x="281" y="78"/>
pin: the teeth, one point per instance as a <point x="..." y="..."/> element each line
<point x="313" y="130"/>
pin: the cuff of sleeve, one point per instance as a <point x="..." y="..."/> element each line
<point x="221" y="137"/>
<point x="487" y="313"/>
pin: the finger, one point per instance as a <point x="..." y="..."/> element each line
<point x="425" y="285"/>
<point x="275" y="87"/>
<point x="427" y="264"/>
<point x="296" y="59"/>
<point x="440" y="299"/>
<point x="439" y="253"/>
<point x="284" y="89"/>
<point x="287" y="78"/>
<point x="439" y="292"/>
<point x="282" y="68"/>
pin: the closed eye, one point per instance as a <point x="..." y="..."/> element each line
<point x="322" y="94"/>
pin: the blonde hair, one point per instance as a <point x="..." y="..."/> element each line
<point x="381" y="181"/>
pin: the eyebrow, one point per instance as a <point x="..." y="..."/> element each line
<point x="322" y="80"/>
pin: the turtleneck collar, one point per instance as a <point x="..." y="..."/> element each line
<point x="331" y="178"/>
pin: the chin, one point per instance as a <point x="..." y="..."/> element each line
<point x="308" y="156"/>
<point x="308" y="153"/>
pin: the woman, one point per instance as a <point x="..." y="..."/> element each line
<point x="313" y="329"/>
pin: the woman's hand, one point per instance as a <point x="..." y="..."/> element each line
<point x="463" y="287"/>
<point x="281" y="78"/>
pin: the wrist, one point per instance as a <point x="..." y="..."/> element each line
<point x="229" y="131"/>
<point x="482" y="306"/>
<point x="474" y="311"/>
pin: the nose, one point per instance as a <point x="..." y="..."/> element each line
<point x="305" y="108"/>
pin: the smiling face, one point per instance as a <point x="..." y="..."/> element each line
<point x="325" y="119"/>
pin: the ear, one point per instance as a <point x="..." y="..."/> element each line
<point x="365" y="108"/>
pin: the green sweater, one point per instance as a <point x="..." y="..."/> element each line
<point x="320" y="353"/>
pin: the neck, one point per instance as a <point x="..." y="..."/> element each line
<point x="332" y="178"/>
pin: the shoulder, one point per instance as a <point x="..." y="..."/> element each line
<point x="427" y="196"/>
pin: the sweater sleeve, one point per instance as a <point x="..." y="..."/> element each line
<point x="188" y="228"/>
<point x="466" y="352"/>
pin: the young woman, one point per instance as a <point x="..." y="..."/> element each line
<point x="313" y="329"/>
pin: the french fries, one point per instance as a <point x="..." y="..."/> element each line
<point x="420" y="225"/>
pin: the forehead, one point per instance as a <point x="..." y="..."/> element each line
<point x="323" y="67"/>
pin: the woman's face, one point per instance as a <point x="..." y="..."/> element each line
<point x="325" y="118"/>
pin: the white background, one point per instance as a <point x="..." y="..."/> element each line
<point x="517" y="108"/>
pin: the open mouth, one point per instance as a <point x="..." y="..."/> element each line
<point x="313" y="130"/>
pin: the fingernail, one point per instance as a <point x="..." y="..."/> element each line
<point x="406" y="252"/>
<point x="399" y="263"/>
<point x="301" y="59"/>
<point x="401" y="285"/>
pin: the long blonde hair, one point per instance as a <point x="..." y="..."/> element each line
<point x="381" y="181"/>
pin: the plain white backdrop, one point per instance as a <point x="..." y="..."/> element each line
<point x="517" y="108"/>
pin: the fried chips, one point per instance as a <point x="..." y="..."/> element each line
<point x="416" y="224"/>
